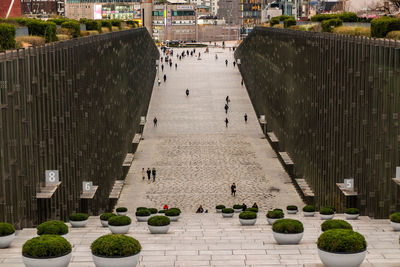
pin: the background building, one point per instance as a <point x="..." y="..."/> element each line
<point x="230" y="11"/>
<point x="10" y="8"/>
<point x="35" y="7"/>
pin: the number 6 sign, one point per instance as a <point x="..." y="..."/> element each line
<point x="87" y="186"/>
<point x="52" y="176"/>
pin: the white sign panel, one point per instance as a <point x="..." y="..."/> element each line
<point x="97" y="12"/>
<point x="398" y="172"/>
<point x="52" y="176"/>
<point x="184" y="7"/>
<point x="349" y="184"/>
<point x="87" y="186"/>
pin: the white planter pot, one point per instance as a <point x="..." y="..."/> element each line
<point x="142" y="218"/>
<point x="173" y="218"/>
<point x="158" y="229"/>
<point x="5" y="241"/>
<point x="152" y="215"/>
<point x="104" y="223"/>
<point x="123" y="229"/>
<point x="130" y="261"/>
<point x="78" y="223"/>
<point x="122" y="213"/>
<point x="248" y="221"/>
<point x="341" y="259"/>
<point x="238" y="210"/>
<point x="287" y="239"/>
<point x="291" y="211"/>
<point x="227" y="215"/>
<point x="219" y="210"/>
<point x="396" y="226"/>
<point x="326" y="217"/>
<point x="308" y="214"/>
<point x="62" y="261"/>
<point x="352" y="216"/>
<point x="271" y="220"/>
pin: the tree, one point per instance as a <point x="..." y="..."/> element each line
<point x="396" y="3"/>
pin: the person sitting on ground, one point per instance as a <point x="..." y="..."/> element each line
<point x="165" y="207"/>
<point x="244" y="207"/>
<point x="200" y="209"/>
<point x="255" y="205"/>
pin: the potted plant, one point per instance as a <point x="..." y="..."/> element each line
<point x="46" y="250"/>
<point x="119" y="224"/>
<point x="219" y="208"/>
<point x="53" y="228"/>
<point x="247" y="218"/>
<point x="395" y="221"/>
<point x="238" y="208"/>
<point x="162" y="211"/>
<point x="252" y="209"/>
<point x="291" y="209"/>
<point x="287" y="231"/>
<point x="104" y="218"/>
<point x="326" y="213"/>
<point x="352" y="213"/>
<point x="121" y="211"/>
<point x="335" y="224"/>
<point x="158" y="224"/>
<point x="173" y="214"/>
<point x="341" y="247"/>
<point x="153" y="212"/>
<point x="78" y="219"/>
<point x="7" y="234"/>
<point x="142" y="215"/>
<point x="227" y="212"/>
<point x="309" y="211"/>
<point x="115" y="250"/>
<point x="274" y="215"/>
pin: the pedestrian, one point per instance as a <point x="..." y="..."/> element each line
<point x="158" y="81"/>
<point x="176" y="65"/>
<point x="162" y="67"/>
<point x="227" y="99"/>
<point x="244" y="207"/>
<point x="194" y="50"/>
<point x="233" y="189"/>
<point x="200" y="209"/>
<point x="170" y="64"/>
<point x="226" y="122"/>
<point x="148" y="174"/>
<point x="161" y="59"/>
<point x="155" y="121"/>
<point x="165" y="207"/>
<point x="199" y="54"/>
<point x="180" y="57"/>
<point x="241" y="82"/>
<point x="245" y="117"/>
<point x="154" y="174"/>
<point x="187" y="52"/>
<point x="226" y="62"/>
<point x="234" y="63"/>
<point x="165" y="77"/>
<point x="216" y="56"/>
<point x="255" y="205"/>
<point x="187" y="92"/>
<point x="226" y="108"/>
<point x="143" y="174"/>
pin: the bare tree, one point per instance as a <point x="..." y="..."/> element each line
<point x="396" y="3"/>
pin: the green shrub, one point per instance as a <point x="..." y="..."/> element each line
<point x="106" y="216"/>
<point x="278" y="209"/>
<point x="172" y="212"/>
<point x="73" y="26"/>
<point x="141" y="208"/>
<point x="395" y="217"/>
<point x="332" y="208"/>
<point x="177" y="209"/>
<point x="227" y="210"/>
<point x="326" y="211"/>
<point x="162" y="211"/>
<point x="352" y="211"/>
<point x="274" y="21"/>
<point x="289" y="22"/>
<point x="145" y="212"/>
<point x="78" y="217"/>
<point x="119" y="221"/>
<point x="287" y="226"/>
<point x="46" y="246"/>
<point x="341" y="241"/>
<point x="115" y="245"/>
<point x="58" y="21"/>
<point x="159" y="221"/>
<point x="345" y="16"/>
<point x="247" y="215"/>
<point x="121" y="209"/>
<point x="220" y="207"/>
<point x="275" y="214"/>
<point x="335" y="224"/>
<point x="328" y="25"/>
<point x="237" y="206"/>
<point x="309" y="208"/>
<point x="52" y="228"/>
<point x="43" y="28"/>
<point x="116" y="22"/>
<point x="393" y="35"/>
<point x="106" y="24"/>
<point x="133" y="23"/>
<point x="7" y="36"/>
<point x="382" y="26"/>
<point x="6" y="229"/>
<point x="91" y="24"/>
<point x="291" y="207"/>
<point x="252" y="209"/>
<point x="153" y="210"/>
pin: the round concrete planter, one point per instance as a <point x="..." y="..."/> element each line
<point x="62" y="261"/>
<point x="123" y="229"/>
<point x="152" y="215"/>
<point x="248" y="221"/>
<point x="351" y="216"/>
<point x="104" y="223"/>
<point x="173" y="218"/>
<point x="78" y="224"/>
<point x="327" y="217"/>
<point x="330" y="259"/>
<point x="287" y="239"/>
<point x="129" y="261"/>
<point x="219" y="210"/>
<point x="238" y="210"/>
<point x="292" y="211"/>
<point x="308" y="214"/>
<point x="158" y="229"/>
<point x="271" y="220"/>
<point x="142" y="218"/>
<point x="6" y="240"/>
<point x="396" y="226"/>
<point x="227" y="215"/>
<point x="122" y="213"/>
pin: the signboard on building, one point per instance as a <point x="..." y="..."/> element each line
<point x="159" y="7"/>
<point x="97" y="12"/>
<point x="184" y="7"/>
<point x="169" y="17"/>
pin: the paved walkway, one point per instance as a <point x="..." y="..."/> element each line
<point x="196" y="157"/>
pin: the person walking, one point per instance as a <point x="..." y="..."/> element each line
<point x="187" y="92"/>
<point x="158" y="81"/>
<point x="226" y="108"/>
<point x="176" y="66"/>
<point x="148" y="174"/>
<point x="227" y="99"/>
<point x="244" y="207"/>
<point x="199" y="54"/>
<point x="245" y="117"/>
<point x="241" y="82"/>
<point x="162" y="67"/>
<point x="165" y="77"/>
<point x="233" y="189"/>
<point x="154" y="174"/>
<point x="216" y="56"/>
<point x="234" y="63"/>
<point x="170" y="64"/>
<point x="155" y="121"/>
<point x="143" y="174"/>
<point x="226" y="62"/>
<point x="161" y="59"/>
<point x="226" y="122"/>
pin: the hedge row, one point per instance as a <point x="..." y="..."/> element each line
<point x="328" y="25"/>
<point x="276" y="20"/>
<point x="382" y="26"/>
<point x="345" y="17"/>
<point x="43" y="28"/>
<point x="7" y="36"/>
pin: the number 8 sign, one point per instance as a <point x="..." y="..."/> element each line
<point x="52" y="176"/>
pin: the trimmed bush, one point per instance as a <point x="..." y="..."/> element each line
<point x="115" y="245"/>
<point x="107" y="215"/>
<point x="335" y="224"/>
<point x="153" y="210"/>
<point x="352" y="211"/>
<point x="116" y="22"/>
<point x="252" y="209"/>
<point x="172" y="212"/>
<point x="73" y="26"/>
<point x="341" y="241"/>
<point x="279" y="209"/>
<point x="247" y="215"/>
<point x="119" y="221"/>
<point x="345" y="16"/>
<point x="41" y="28"/>
<point x="328" y="25"/>
<point x="78" y="217"/>
<point x="46" y="246"/>
<point x="141" y="208"/>
<point x="275" y="214"/>
<point x="6" y="229"/>
<point x="121" y="209"/>
<point x="145" y="212"/>
<point x="7" y="36"/>
<point x="227" y="210"/>
<point x="288" y="226"/>
<point x="326" y="211"/>
<point x="58" y="21"/>
<point x="237" y="206"/>
<point x="159" y="221"/>
<point x="162" y="211"/>
<point x="177" y="209"/>
<point x="309" y="208"/>
<point x="133" y="23"/>
<point x="52" y="228"/>
<point x="289" y="22"/>
<point x="106" y="24"/>
<point x="332" y="208"/>
<point x="395" y="217"/>
<point x="91" y="24"/>
<point x="393" y="35"/>
<point x="220" y="207"/>
<point x="356" y="31"/>
<point x="382" y="26"/>
<point x="291" y="207"/>
<point x="274" y="21"/>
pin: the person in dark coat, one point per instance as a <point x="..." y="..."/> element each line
<point x="154" y="174"/>
<point x="245" y="117"/>
<point x="226" y="62"/>
<point x="226" y="108"/>
<point x="165" y="77"/>
<point x="155" y="121"/>
<point x="148" y="174"/>
<point x="162" y="67"/>
<point x="187" y="92"/>
<point x="226" y="122"/>
<point x="244" y="207"/>
<point x="233" y="189"/>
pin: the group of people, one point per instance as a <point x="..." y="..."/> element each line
<point x="244" y="206"/>
<point x="149" y="173"/>
<point x="201" y="210"/>
<point x="227" y="99"/>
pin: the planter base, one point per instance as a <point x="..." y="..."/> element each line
<point x="158" y="229"/>
<point x="227" y="215"/>
<point x="5" y="241"/>
<point x="248" y="222"/>
<point x="271" y="221"/>
<point x="119" y="229"/>
<point x="341" y="259"/>
<point x="351" y="216"/>
<point x="142" y="218"/>
<point x="78" y="224"/>
<point x="308" y="214"/>
<point x="327" y="217"/>
<point x="62" y="261"/>
<point x="120" y="262"/>
<point x="173" y="218"/>
<point x="104" y="223"/>
<point x="288" y="239"/>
